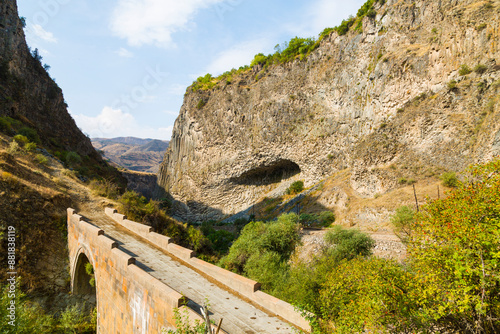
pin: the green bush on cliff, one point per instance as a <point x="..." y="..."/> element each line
<point x="31" y="134"/>
<point x="295" y="188"/>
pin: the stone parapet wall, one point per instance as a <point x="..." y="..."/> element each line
<point x="243" y="286"/>
<point x="129" y="300"/>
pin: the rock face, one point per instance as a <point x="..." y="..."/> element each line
<point x="361" y="101"/>
<point x="28" y="94"/>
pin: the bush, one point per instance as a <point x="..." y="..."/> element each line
<point x="464" y="70"/>
<point x="5" y="125"/>
<point x="348" y="243"/>
<point x="326" y="218"/>
<point x="30" y="147"/>
<point x="371" y="13"/>
<point x="200" y="104"/>
<point x="452" y="85"/>
<point x="368" y="296"/>
<point x="41" y="159"/>
<point x="257" y="238"/>
<point x="20" y="139"/>
<point x="259" y="59"/>
<point x="402" y="221"/>
<point x="31" y="134"/>
<point x="105" y="188"/>
<point x="454" y="251"/>
<point x="136" y="206"/>
<point x="480" y="68"/>
<point x="184" y="325"/>
<point x="75" y="320"/>
<point x="13" y="148"/>
<point x="450" y="180"/>
<point x="295" y="188"/>
<point x="30" y="318"/>
<point x="73" y="159"/>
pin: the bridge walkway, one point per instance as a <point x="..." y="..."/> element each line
<point x="239" y="316"/>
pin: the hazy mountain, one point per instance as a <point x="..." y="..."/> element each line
<point x="137" y="154"/>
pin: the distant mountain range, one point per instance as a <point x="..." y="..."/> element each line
<point x="142" y="155"/>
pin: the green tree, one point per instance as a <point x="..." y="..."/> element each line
<point x="455" y="251"/>
<point x="402" y="221"/>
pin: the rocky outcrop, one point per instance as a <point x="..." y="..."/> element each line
<point x="27" y="92"/>
<point x="391" y="94"/>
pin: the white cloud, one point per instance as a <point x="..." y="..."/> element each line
<point x="154" y="21"/>
<point x="239" y="55"/>
<point x="111" y="123"/>
<point x="36" y="31"/>
<point x="122" y="52"/>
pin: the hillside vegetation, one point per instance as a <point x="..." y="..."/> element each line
<point x="449" y="281"/>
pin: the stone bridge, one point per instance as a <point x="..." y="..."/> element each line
<point x="141" y="278"/>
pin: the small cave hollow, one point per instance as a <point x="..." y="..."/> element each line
<point x="268" y="174"/>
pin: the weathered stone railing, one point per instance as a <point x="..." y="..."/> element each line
<point x="245" y="287"/>
<point x="129" y="300"/>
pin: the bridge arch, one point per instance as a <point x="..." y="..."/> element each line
<point x="80" y="279"/>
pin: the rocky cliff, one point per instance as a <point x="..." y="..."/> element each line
<point x="28" y="94"/>
<point x="415" y="89"/>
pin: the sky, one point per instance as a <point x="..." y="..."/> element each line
<point x="124" y="65"/>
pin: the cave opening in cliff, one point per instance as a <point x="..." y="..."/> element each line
<point x="268" y="174"/>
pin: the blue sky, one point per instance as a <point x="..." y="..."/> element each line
<point x="124" y="65"/>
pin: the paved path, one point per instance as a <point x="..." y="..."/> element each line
<point x="239" y="316"/>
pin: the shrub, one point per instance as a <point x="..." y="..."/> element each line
<point x="402" y="180"/>
<point x="41" y="159"/>
<point x="104" y="188"/>
<point x="258" y="238"/>
<point x="201" y="104"/>
<point x="184" y="325"/>
<point x="326" y="218"/>
<point x="480" y="68"/>
<point x="348" y="243"/>
<point x="295" y="188"/>
<point x="452" y="85"/>
<point x="368" y="296"/>
<point x="89" y="269"/>
<point x="344" y="27"/>
<point x="30" y="147"/>
<point x="307" y="219"/>
<point x="75" y="320"/>
<point x="454" y="251"/>
<point x="371" y="13"/>
<point x="402" y="221"/>
<point x="464" y="70"/>
<point x="221" y="240"/>
<point x="259" y="59"/>
<point x="20" y="139"/>
<point x="481" y="27"/>
<point x="135" y="206"/>
<point x="13" y="148"/>
<point x="450" y="179"/>
<point x="325" y="33"/>
<point x="30" y="317"/>
<point x="5" y="125"/>
<point x="30" y="133"/>
<point x="73" y="159"/>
